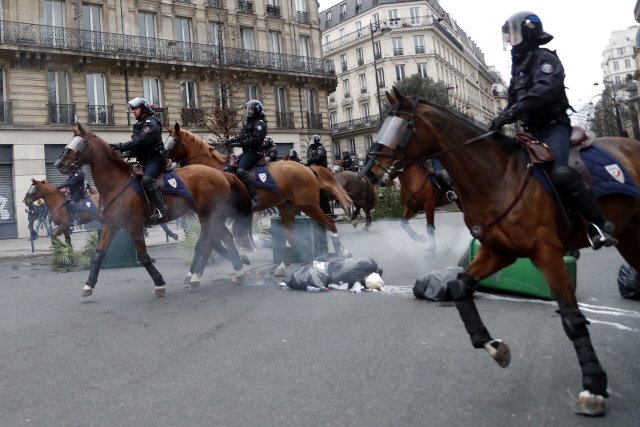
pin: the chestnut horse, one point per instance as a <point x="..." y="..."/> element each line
<point x="56" y="202"/>
<point x="211" y="196"/>
<point x="299" y="188"/>
<point x="418" y="193"/>
<point x="363" y="195"/>
<point x="512" y="215"/>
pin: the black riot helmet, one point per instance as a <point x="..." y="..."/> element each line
<point x="254" y="109"/>
<point x="315" y="139"/>
<point x="293" y="154"/>
<point x="144" y="105"/>
<point x="346" y="154"/>
<point x="524" y="27"/>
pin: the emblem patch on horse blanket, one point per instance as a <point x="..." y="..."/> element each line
<point x="264" y="179"/>
<point x="170" y="184"/>
<point x="608" y="175"/>
<point x="87" y="205"/>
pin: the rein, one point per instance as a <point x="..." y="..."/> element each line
<point x="104" y="206"/>
<point x="44" y="197"/>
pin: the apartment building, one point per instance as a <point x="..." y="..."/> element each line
<point x="63" y="61"/>
<point x="375" y="43"/>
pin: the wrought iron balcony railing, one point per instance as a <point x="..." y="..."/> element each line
<point x="192" y="117"/>
<point x="217" y="4"/>
<point x="162" y="114"/>
<point x="313" y="121"/>
<point x="302" y="17"/>
<point x="74" y="41"/>
<point x="362" y="122"/>
<point x="100" y="115"/>
<point x="62" y="114"/>
<point x="273" y="11"/>
<point x="6" y="116"/>
<point x="245" y="6"/>
<point x="285" y="120"/>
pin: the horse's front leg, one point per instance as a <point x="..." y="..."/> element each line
<point x="461" y="291"/>
<point x="106" y="237"/>
<point x="591" y="401"/>
<point x="404" y="223"/>
<point x="368" y="219"/>
<point x="430" y="213"/>
<point x="137" y="234"/>
<point x="288" y="216"/>
<point x="354" y="216"/>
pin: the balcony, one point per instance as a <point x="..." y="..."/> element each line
<point x="273" y="11"/>
<point x="398" y="51"/>
<point x="344" y="66"/>
<point x="360" y="61"/>
<point x="100" y="115"/>
<point x="162" y="114"/>
<point x="6" y="116"/>
<point x="302" y="17"/>
<point x="76" y="42"/>
<point x="285" y="120"/>
<point x="245" y="6"/>
<point x="350" y="125"/>
<point x="377" y="55"/>
<point x="313" y="121"/>
<point x="62" y="114"/>
<point x="192" y="117"/>
<point x="420" y="49"/>
<point x="363" y="90"/>
<point x="216" y="4"/>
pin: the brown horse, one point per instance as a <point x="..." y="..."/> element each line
<point x="512" y="215"/>
<point x="418" y="193"/>
<point x="299" y="188"/>
<point x="57" y="204"/>
<point x="363" y="195"/>
<point x="214" y="196"/>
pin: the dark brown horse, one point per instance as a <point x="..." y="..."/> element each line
<point x="418" y="193"/>
<point x="363" y="195"/>
<point x="214" y="197"/>
<point x="512" y="215"/>
<point x="56" y="203"/>
<point x="299" y="188"/>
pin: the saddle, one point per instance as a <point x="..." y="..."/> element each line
<point x="231" y="164"/>
<point x="138" y="171"/>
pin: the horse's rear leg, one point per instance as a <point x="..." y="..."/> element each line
<point x="368" y="219"/>
<point x="432" y="244"/>
<point x="354" y="216"/>
<point x="404" y="223"/>
<point x="288" y="216"/>
<point x="327" y="222"/>
<point x="96" y="261"/>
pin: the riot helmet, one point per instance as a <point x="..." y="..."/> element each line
<point x="315" y="139"/>
<point x="268" y="141"/>
<point x="524" y="27"/>
<point x="293" y="154"/>
<point x="144" y="105"/>
<point x="254" y="109"/>
<point x="346" y="154"/>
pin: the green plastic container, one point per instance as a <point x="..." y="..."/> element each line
<point x="310" y="240"/>
<point x="121" y="252"/>
<point x="521" y="277"/>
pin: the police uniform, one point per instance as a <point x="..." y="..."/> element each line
<point x="317" y="155"/>
<point x="75" y="184"/>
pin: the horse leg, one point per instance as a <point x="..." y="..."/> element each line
<point x="328" y="223"/>
<point x="404" y="223"/>
<point x="137" y="233"/>
<point x="354" y="216"/>
<point x="194" y="260"/>
<point x="430" y="212"/>
<point x="288" y="216"/>
<point x="96" y="261"/>
<point x="368" y="220"/>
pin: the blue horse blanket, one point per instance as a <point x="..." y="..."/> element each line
<point x="265" y="180"/>
<point x="171" y="184"/>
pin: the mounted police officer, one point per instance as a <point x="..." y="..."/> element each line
<point x="293" y="155"/>
<point x="270" y="150"/>
<point x="317" y="155"/>
<point x="147" y="147"/>
<point x="250" y="139"/>
<point x="537" y="97"/>
<point x="348" y="163"/>
<point x="75" y="184"/>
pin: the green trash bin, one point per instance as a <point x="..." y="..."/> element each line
<point x="121" y="252"/>
<point x="310" y="240"/>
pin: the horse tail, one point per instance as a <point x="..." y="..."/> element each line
<point x="242" y="227"/>
<point x="328" y="183"/>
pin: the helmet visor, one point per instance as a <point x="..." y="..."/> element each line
<point x="511" y="34"/>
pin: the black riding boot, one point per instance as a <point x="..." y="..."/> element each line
<point x="570" y="183"/>
<point x="156" y="199"/>
<point x="445" y="183"/>
<point x="74" y="209"/>
<point x="246" y="180"/>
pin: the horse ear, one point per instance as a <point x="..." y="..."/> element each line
<point x="177" y="128"/>
<point x="80" y="128"/>
<point x="390" y="98"/>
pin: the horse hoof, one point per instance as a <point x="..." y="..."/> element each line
<point x="237" y="266"/>
<point x="86" y="291"/>
<point x="591" y="405"/>
<point x="499" y="351"/>
<point x="280" y="271"/>
<point x="245" y="260"/>
<point x="345" y="253"/>
<point x="195" y="281"/>
<point x="159" y="291"/>
<point x="355" y="224"/>
<point x="187" y="278"/>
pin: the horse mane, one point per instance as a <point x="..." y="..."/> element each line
<point x="199" y="142"/>
<point x="118" y="160"/>
<point x="505" y="142"/>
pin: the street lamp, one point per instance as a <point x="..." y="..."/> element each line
<point x="373" y="29"/>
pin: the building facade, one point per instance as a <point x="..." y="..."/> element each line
<point x="375" y="43"/>
<point x="63" y="61"/>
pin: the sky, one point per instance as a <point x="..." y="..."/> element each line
<point x="581" y="32"/>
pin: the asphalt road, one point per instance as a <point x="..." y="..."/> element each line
<point x="249" y="352"/>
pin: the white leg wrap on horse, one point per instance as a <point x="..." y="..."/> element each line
<point x="334" y="234"/>
<point x="590" y="404"/>
<point x="160" y="291"/>
<point x="195" y="281"/>
<point x="499" y="351"/>
<point x="281" y="270"/>
<point x="86" y="291"/>
<point x="187" y="278"/>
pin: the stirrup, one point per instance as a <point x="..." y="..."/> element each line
<point x="599" y="238"/>
<point x="255" y="201"/>
<point x="451" y="196"/>
<point x="157" y="214"/>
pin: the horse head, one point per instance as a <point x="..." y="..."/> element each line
<point x="85" y="147"/>
<point x="187" y="147"/>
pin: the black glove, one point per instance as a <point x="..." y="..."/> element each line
<point x="115" y="146"/>
<point x="505" y="117"/>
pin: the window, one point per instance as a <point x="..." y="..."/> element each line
<point x="400" y="73"/>
<point x="363" y="83"/>
<point x="343" y="9"/>
<point x="147" y="29"/>
<point x="301" y="6"/>
<point x="54" y="18"/>
<point x="246" y="35"/>
<point x="422" y="69"/>
<point x="343" y="37"/>
<point x="305" y="46"/>
<point x="398" y="48"/>
<point x="188" y="95"/>
<point x="381" y="78"/>
<point x="359" y="29"/>
<point x="152" y="90"/>
<point x="328" y="16"/>
<point x="215" y="36"/>
<point x="183" y="36"/>
<point x="348" y="112"/>
<point x="5" y="113"/>
<point x="281" y="100"/>
<point x="376" y="19"/>
<point x="414" y="13"/>
<point x="621" y="51"/>
<point x="351" y="145"/>
<point x="327" y="42"/>
<point x="394" y="20"/>
<point x="346" y="89"/>
<point x="60" y="108"/>
<point x="97" y="109"/>
<point x="418" y="42"/>
<point x="627" y="63"/>
<point x="343" y="62"/>
<point x="274" y="47"/>
<point x="250" y="92"/>
<point x="333" y="118"/>
<point x="359" y="56"/>
<point x="364" y="110"/>
<point x="336" y="150"/>
<point x="91" y="23"/>
<point x="368" y="140"/>
<point x="377" y="50"/>
<point x="616" y="65"/>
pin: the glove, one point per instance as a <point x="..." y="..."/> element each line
<point x="505" y="117"/>
<point x="115" y="146"/>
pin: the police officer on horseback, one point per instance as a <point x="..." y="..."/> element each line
<point x="250" y="140"/>
<point x="348" y="163"/>
<point x="270" y="150"/>
<point x="537" y="97"/>
<point x="317" y="155"/>
<point x="75" y="185"/>
<point x="147" y="147"/>
<point x="293" y="155"/>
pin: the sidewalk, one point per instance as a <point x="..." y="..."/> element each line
<point x="16" y="249"/>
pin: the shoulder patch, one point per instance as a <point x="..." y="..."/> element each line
<point x="146" y="128"/>
<point x="546" y="68"/>
<point x="259" y="127"/>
